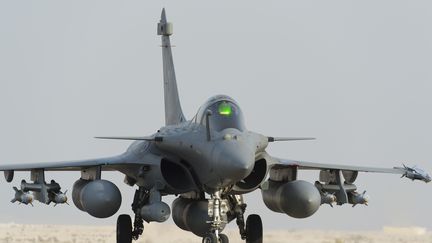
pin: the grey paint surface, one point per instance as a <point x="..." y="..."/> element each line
<point x="173" y="110"/>
<point x="407" y="95"/>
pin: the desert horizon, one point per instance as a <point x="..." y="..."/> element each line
<point x="167" y="233"/>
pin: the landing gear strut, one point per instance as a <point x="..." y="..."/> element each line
<point x="239" y="210"/>
<point x="252" y="231"/>
<point x="217" y="210"/>
<point x="125" y="231"/>
<point x="141" y="198"/>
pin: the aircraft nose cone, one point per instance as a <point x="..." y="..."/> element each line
<point x="234" y="162"/>
<point x="239" y="164"/>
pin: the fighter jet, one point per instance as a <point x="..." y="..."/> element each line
<point x="208" y="162"/>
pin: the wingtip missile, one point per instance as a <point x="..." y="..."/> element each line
<point x="414" y="173"/>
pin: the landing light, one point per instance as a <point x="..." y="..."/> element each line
<point x="228" y="137"/>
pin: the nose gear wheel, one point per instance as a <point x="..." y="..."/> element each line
<point x="223" y="238"/>
<point x="210" y="238"/>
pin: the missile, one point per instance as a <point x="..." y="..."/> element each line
<point x="22" y="197"/>
<point x="357" y="198"/>
<point x="415" y="173"/>
<point x="59" y="198"/>
<point x="327" y="198"/>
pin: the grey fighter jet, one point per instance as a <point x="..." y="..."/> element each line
<point x="208" y="162"/>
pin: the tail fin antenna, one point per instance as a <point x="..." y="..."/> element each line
<point x="173" y="110"/>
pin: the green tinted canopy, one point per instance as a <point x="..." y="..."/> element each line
<point x="225" y="109"/>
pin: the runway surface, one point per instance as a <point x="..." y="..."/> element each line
<point x="166" y="233"/>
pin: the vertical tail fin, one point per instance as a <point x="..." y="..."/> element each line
<point x="173" y="111"/>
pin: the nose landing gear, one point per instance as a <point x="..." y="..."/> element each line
<point x="211" y="238"/>
<point x="251" y="231"/>
<point x="217" y="210"/>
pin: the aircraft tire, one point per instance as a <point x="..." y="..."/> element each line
<point x="124" y="229"/>
<point x="254" y="229"/>
<point x="210" y="238"/>
<point x="223" y="238"/>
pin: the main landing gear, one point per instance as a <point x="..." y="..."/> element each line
<point x="126" y="232"/>
<point x="221" y="210"/>
<point x="254" y="229"/>
<point x="124" y="229"/>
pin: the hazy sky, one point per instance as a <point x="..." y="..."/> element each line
<point x="355" y="74"/>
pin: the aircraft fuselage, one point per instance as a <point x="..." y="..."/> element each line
<point x="228" y="157"/>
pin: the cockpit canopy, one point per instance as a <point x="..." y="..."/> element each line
<point x="225" y="113"/>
